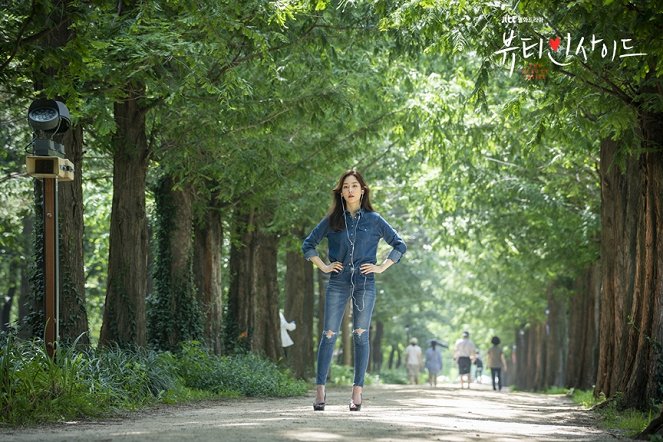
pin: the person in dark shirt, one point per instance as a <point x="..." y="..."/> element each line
<point x="479" y="368"/>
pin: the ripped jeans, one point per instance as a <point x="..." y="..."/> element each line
<point x="339" y="290"/>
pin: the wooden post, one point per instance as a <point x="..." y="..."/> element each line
<point x="51" y="266"/>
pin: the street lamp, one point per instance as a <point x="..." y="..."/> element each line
<point x="49" y="118"/>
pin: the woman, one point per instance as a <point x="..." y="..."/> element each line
<point x="353" y="230"/>
<point x="496" y="362"/>
<point x="433" y="363"/>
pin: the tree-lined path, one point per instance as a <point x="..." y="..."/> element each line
<point x="515" y="146"/>
<point x="391" y="413"/>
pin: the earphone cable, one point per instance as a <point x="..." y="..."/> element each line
<point x="352" y="254"/>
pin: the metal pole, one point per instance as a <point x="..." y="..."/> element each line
<point x="51" y="266"/>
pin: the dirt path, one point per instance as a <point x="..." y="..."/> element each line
<point x="390" y="413"/>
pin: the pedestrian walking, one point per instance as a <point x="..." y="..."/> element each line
<point x="464" y="352"/>
<point x="414" y="361"/>
<point x="433" y="362"/>
<point x="497" y="363"/>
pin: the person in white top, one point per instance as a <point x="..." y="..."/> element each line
<point x="464" y="353"/>
<point x="414" y="360"/>
<point x="286" y="340"/>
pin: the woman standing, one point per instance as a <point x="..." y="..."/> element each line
<point x="353" y="230"/>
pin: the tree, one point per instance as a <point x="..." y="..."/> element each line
<point x="124" y="310"/>
<point x="36" y="40"/>
<point x="299" y="307"/>
<point x="583" y="330"/>
<point x="174" y="314"/>
<point x="208" y="241"/>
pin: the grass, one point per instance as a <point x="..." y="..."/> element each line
<point x="628" y="421"/>
<point x="81" y="383"/>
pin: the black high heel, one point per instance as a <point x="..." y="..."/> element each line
<point x="356" y="407"/>
<point x="320" y="406"/>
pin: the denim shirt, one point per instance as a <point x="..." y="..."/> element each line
<point x="364" y="231"/>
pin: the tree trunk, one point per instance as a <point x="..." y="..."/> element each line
<point x="253" y="297"/>
<point x="518" y="372"/>
<point x="632" y="262"/>
<point x="555" y="333"/>
<point x="265" y="320"/>
<point x="346" y="335"/>
<point x="641" y="385"/>
<point x="299" y="297"/>
<point x="124" y="310"/>
<point x="376" y="348"/>
<point x="537" y="350"/>
<point x="533" y="369"/>
<point x="654" y="427"/>
<point x="615" y="196"/>
<point x="173" y="314"/>
<point x="583" y="330"/>
<point x="9" y="299"/>
<point x="235" y="336"/>
<point x="208" y="241"/>
<point x="653" y="262"/>
<point x="73" y="311"/>
<point x="34" y="321"/>
<point x="529" y="365"/>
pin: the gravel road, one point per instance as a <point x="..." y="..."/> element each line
<point x="389" y="413"/>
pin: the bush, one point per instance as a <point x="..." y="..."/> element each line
<point x="79" y="383"/>
<point x="393" y="377"/>
<point x="246" y="374"/>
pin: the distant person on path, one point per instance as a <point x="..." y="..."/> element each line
<point x="464" y="352"/>
<point x="433" y="362"/>
<point x="286" y="340"/>
<point x="414" y="361"/>
<point x="353" y="230"/>
<point x="496" y="362"/>
<point x="478" y="363"/>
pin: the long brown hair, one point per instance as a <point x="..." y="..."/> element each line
<point x="336" y="220"/>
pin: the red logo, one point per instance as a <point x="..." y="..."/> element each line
<point x="554" y="43"/>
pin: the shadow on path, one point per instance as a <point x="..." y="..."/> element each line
<point x="389" y="413"/>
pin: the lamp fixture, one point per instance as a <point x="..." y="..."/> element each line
<point x="48" y="118"/>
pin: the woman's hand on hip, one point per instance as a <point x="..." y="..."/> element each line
<point x="333" y="267"/>
<point x="367" y="268"/>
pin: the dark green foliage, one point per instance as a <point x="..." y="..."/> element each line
<point x="35" y="388"/>
<point x="35" y="320"/>
<point x="246" y="374"/>
<point x="233" y="340"/>
<point x="658" y="371"/>
<point x="393" y="377"/>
